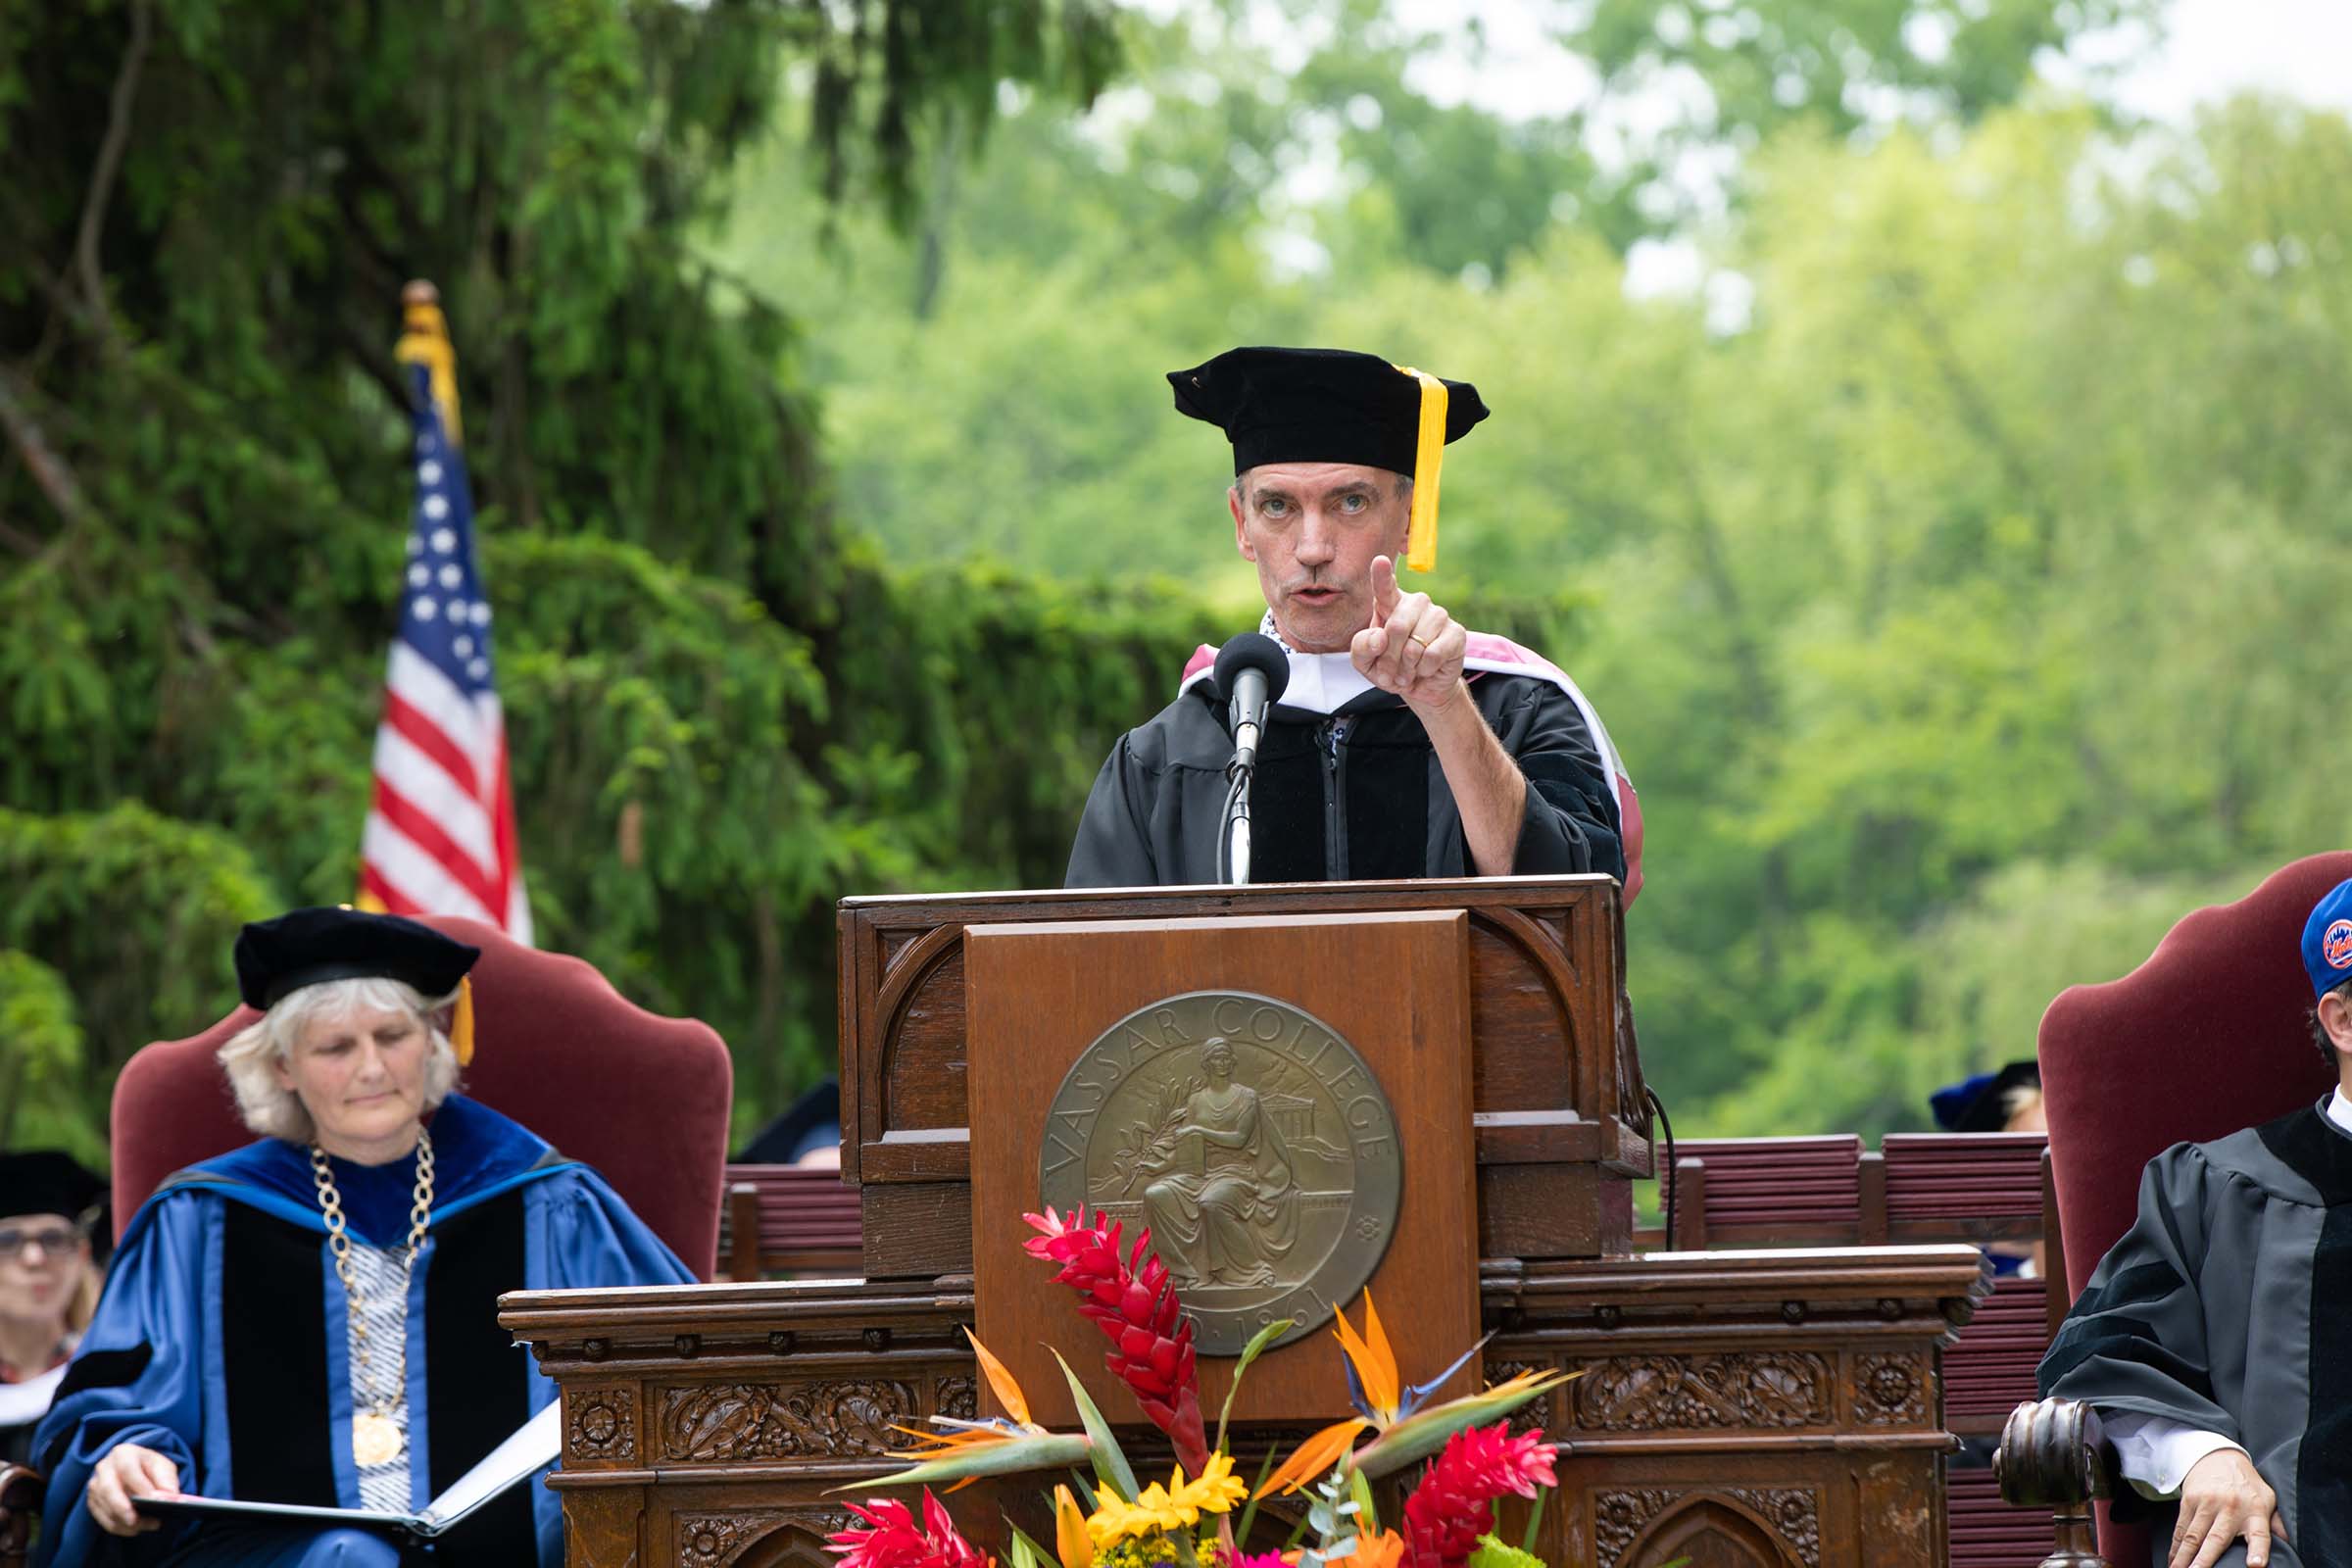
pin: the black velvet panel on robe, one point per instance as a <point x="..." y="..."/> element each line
<point x="1375" y="806"/>
<point x="273" y="1346"/>
<point x="1357" y="809"/>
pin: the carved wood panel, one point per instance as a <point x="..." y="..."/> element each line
<point x="757" y="1538"/>
<point x="1733" y="1527"/>
<point x="735" y="1422"/>
<point x="600" y="1526"/>
<point x="1739" y="1388"/>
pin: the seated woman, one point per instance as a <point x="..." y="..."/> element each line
<point x="314" y="1318"/>
<point x="47" y="1283"/>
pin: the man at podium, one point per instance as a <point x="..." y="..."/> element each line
<point x="1405" y="744"/>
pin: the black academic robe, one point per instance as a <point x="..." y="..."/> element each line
<point x="1354" y="795"/>
<point x="2227" y="1306"/>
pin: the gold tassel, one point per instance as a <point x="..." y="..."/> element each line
<point x="424" y="340"/>
<point x="1428" y="456"/>
<point x="461" y="1023"/>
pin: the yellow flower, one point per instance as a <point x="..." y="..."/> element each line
<point x="1071" y="1543"/>
<point x="1178" y="1503"/>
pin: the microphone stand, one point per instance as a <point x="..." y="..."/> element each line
<point x="1233" y="830"/>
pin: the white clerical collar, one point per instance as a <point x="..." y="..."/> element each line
<point x="2339" y="1109"/>
<point x="1320" y="683"/>
<point x="23" y="1403"/>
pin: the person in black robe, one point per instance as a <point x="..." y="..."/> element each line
<point x="2215" y="1339"/>
<point x="1405" y="744"/>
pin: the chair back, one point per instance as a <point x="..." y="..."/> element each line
<point x="2209" y="1035"/>
<point x="643" y="1099"/>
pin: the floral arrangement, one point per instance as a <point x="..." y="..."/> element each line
<point x="1203" y="1513"/>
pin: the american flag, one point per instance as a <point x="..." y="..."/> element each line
<point x="440" y="838"/>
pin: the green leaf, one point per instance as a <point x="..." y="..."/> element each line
<point x="1258" y="1342"/>
<point x="1493" y="1553"/>
<point x="1111" y="1461"/>
<point x="1027" y="1553"/>
<point x="1367" y="1511"/>
<point x="1241" y="1529"/>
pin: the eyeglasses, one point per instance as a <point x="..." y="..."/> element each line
<point x="53" y="1239"/>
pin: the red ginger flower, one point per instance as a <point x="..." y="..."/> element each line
<point x="1132" y="1301"/>
<point x="1448" y="1510"/>
<point x="891" y="1538"/>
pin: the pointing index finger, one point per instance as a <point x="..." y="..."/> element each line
<point x="1384" y="589"/>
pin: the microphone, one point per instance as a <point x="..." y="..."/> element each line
<point x="1251" y="672"/>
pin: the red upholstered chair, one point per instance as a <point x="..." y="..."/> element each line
<point x="2222" y="1008"/>
<point x="645" y="1100"/>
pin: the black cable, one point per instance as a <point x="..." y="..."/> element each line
<point x="1666" y="1171"/>
<point x="1232" y="800"/>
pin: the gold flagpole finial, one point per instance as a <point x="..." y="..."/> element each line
<point x="424" y="340"/>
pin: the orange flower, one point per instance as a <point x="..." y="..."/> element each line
<point x="1317" y="1455"/>
<point x="1374" y="1363"/>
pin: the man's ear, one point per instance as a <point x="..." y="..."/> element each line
<point x="2335" y="1017"/>
<point x="1240" y="534"/>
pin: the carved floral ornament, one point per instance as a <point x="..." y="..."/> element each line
<point x="1889" y="1390"/>
<point x="600" y="1426"/>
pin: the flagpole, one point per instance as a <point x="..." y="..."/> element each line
<point x="440" y="837"/>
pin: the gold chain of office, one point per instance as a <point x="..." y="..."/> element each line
<point x="374" y="1435"/>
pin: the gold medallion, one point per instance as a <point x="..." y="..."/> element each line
<point x="1250" y="1139"/>
<point x="374" y="1440"/>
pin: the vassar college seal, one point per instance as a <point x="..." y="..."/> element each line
<point x="1253" y="1140"/>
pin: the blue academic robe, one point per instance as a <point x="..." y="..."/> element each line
<point x="221" y="1341"/>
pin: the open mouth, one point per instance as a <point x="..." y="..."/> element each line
<point x="1315" y="596"/>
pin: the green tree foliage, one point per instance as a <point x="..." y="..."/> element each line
<point x="210" y="213"/>
<point x="1952" y="570"/>
<point x="1958" y="604"/>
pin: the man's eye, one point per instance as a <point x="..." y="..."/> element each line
<point x="1353" y="502"/>
<point x="1274" y="508"/>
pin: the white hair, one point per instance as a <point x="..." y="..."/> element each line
<point x="253" y="1055"/>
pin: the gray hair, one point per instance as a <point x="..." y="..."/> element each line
<point x="253" y="1055"/>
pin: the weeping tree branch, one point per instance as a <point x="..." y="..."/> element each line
<point x="109" y="164"/>
<point x="40" y="459"/>
<point x="17" y="540"/>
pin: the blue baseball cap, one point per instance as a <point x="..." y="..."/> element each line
<point x="2327" y="940"/>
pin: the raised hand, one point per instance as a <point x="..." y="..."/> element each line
<point x="1412" y="648"/>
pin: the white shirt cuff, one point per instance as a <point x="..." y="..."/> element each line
<point x="2157" y="1454"/>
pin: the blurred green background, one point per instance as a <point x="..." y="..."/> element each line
<point x="1934" y="466"/>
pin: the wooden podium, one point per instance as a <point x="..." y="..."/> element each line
<point x="1766" y="1410"/>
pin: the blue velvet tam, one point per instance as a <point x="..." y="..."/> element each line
<point x="1975" y="1104"/>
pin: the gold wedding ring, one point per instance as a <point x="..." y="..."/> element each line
<point x="1418" y="642"/>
